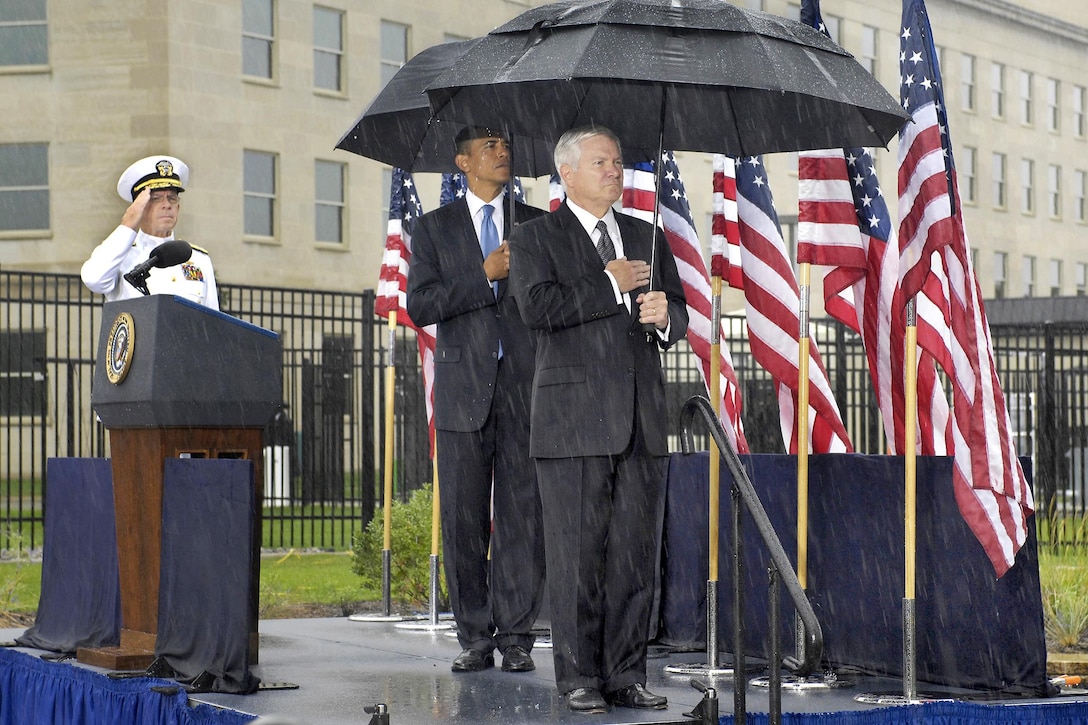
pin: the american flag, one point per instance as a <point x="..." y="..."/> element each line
<point x="453" y="188"/>
<point x="555" y="192"/>
<point x="989" y="484"/>
<point x="725" y="227"/>
<point x="844" y="223"/>
<point x="404" y="206"/>
<point x="675" y="219"/>
<point x="772" y="301"/>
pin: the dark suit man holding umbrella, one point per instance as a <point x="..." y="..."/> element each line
<point x="483" y="376"/>
<point x="581" y="277"/>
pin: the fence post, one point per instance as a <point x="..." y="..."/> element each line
<point x="1046" y="469"/>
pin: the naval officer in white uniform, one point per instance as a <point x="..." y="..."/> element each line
<point x="152" y="186"/>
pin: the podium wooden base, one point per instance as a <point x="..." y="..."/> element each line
<point x="115" y="658"/>
<point x="136" y="652"/>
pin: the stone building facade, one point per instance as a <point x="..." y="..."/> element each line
<point x="254" y="95"/>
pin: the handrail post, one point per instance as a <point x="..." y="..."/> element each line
<point x="740" y="684"/>
<point x="774" y="709"/>
<point x="807" y="660"/>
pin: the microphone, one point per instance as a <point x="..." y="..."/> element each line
<point x="166" y="254"/>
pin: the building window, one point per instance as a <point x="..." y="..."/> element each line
<point x="997" y="89"/>
<point x="1026" y="110"/>
<point x="868" y="49"/>
<point x="329" y="201"/>
<point x="1053" y="105"/>
<point x="968" y="174"/>
<point x="394" y="49"/>
<point x="258" y="37"/>
<point x="328" y="48"/>
<point x="1055" y="278"/>
<point x="1054" y="190"/>
<point x="1001" y="266"/>
<point x="260" y="193"/>
<point x="23" y="388"/>
<point x="1082" y="279"/>
<point x="998" y="175"/>
<point x="1079" y="95"/>
<point x="24" y="187"/>
<point x="24" y="35"/>
<point x="967" y="82"/>
<point x="1080" y="195"/>
<point x="387" y="191"/>
<point x="1028" y="271"/>
<point x="1027" y="186"/>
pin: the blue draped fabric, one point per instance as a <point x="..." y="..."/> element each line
<point x="205" y="612"/>
<point x="973" y="631"/>
<point x="939" y="713"/>
<point x="80" y="602"/>
<point x="33" y="690"/>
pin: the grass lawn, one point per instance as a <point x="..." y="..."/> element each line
<point x="292" y="585"/>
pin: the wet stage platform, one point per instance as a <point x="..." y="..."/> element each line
<point x="341" y="667"/>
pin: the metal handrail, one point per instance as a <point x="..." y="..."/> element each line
<point x="812" y="641"/>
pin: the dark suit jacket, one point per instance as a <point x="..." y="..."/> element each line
<point x="447" y="286"/>
<point x="593" y="357"/>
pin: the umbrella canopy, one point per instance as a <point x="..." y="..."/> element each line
<point x="691" y="75"/>
<point x="398" y="129"/>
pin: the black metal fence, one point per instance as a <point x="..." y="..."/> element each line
<point x="323" y="455"/>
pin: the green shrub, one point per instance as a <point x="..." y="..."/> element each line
<point x="410" y="552"/>
<point x="1064" y="580"/>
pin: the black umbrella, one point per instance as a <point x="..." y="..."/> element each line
<point x="398" y="129"/>
<point x="692" y="75"/>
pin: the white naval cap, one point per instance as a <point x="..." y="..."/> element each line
<point x="153" y="172"/>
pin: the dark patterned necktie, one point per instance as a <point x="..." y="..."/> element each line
<point x="605" y="248"/>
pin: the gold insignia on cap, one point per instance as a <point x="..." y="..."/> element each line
<point x="165" y="168"/>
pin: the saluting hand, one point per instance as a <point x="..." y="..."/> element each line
<point x="134" y="215"/>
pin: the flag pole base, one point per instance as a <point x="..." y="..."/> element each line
<point x="386" y="615"/>
<point x="433" y="624"/>
<point x="793" y="683"/>
<point x="895" y="698"/>
<point x="698" y="668"/>
<point x="377" y="617"/>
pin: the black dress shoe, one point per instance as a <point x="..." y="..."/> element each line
<point x="638" y="696"/>
<point x="516" y="659"/>
<point x="473" y="660"/>
<point x="587" y="700"/>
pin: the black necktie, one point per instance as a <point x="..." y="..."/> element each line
<point x="605" y="248"/>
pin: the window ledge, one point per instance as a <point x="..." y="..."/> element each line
<point x="266" y="241"/>
<point x="12" y="70"/>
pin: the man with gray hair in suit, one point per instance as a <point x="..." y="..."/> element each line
<point x="582" y="277"/>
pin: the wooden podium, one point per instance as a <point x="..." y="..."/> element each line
<point x="175" y="379"/>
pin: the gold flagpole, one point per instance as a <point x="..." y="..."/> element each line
<point x="802" y="443"/>
<point x="910" y="520"/>
<point x="386" y="614"/>
<point x="715" y="473"/>
<point x="712" y="665"/>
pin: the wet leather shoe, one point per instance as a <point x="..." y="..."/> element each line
<point x="516" y="659"/>
<point x="586" y="700"/>
<point x="639" y="697"/>
<point x="473" y="660"/>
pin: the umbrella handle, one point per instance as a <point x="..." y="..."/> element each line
<point x="648" y="327"/>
